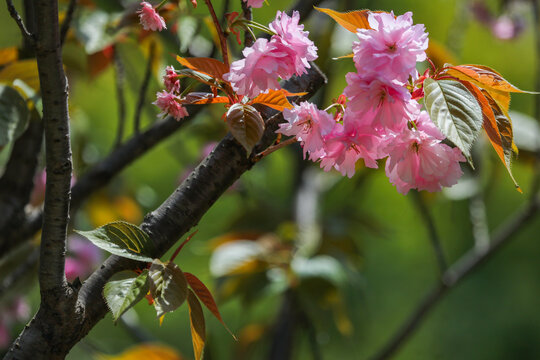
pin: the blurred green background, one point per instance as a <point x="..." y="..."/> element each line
<point x="386" y="265"/>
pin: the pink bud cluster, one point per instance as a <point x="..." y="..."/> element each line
<point x="149" y="18"/>
<point x="381" y="118"/>
<point x="168" y="100"/>
<point x="287" y="53"/>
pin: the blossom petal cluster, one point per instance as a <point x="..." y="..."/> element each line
<point x="381" y="118"/>
<point x="169" y="100"/>
<point x="287" y="53"/>
<point x="149" y="18"/>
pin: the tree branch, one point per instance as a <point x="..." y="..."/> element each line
<point x="20" y="23"/>
<point x="430" y="225"/>
<point x="67" y="20"/>
<point x="121" y="98"/>
<point x="468" y="263"/>
<point x="144" y="88"/>
<point x="99" y="175"/>
<point x="54" y="90"/>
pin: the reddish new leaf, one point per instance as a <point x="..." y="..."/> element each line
<point x="276" y="99"/>
<point x="492" y="129"/>
<point x="212" y="67"/>
<point x="197" y="98"/>
<point x="246" y="125"/>
<point x="198" y="328"/>
<point x="351" y="20"/>
<point x="206" y="297"/>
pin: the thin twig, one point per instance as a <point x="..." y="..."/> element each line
<point x="121" y="98"/>
<point x="20" y="23"/>
<point x="221" y="34"/>
<point x="273" y="148"/>
<point x="67" y="20"/>
<point x="144" y="88"/>
<point x="430" y="225"/>
<point x="480" y="229"/>
<point x="469" y="262"/>
<point x="249" y="37"/>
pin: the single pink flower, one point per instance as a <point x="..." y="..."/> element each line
<point x="259" y="70"/>
<point x="418" y="160"/>
<point x="382" y="103"/>
<point x="169" y="104"/>
<point x="170" y="80"/>
<point x="254" y="3"/>
<point x="349" y="142"/>
<point x="290" y="33"/>
<point x="149" y="18"/>
<point x="391" y="47"/>
<point x="308" y="124"/>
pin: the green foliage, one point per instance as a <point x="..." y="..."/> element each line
<point x="455" y="111"/>
<point x="121" y="295"/>
<point x="14" y="114"/>
<point x="168" y="286"/>
<point x="122" y="239"/>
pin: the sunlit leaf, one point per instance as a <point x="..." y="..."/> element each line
<point x="276" y="99"/>
<point x="199" y="76"/>
<point x="24" y="70"/>
<point x="8" y="55"/>
<point x="168" y="286"/>
<point x="122" y="239"/>
<point x="246" y="125"/>
<point x="491" y="127"/>
<point x="231" y="256"/>
<point x="212" y="67"/>
<point x="121" y="295"/>
<point x="206" y="297"/>
<point x="146" y="352"/>
<point x="485" y="77"/>
<point x="198" y="327"/>
<point x="14" y="114"/>
<point x="455" y="111"/>
<point x="351" y="20"/>
<point x="504" y="127"/>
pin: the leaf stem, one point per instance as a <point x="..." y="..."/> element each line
<point x="221" y="34"/>
<point x="273" y="148"/>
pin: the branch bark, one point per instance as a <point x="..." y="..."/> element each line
<point x="180" y="212"/>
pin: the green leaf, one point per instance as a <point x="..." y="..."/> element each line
<point x="168" y="286"/>
<point x="122" y="239"/>
<point x="121" y="295"/>
<point x="198" y="327"/>
<point x="14" y="114"/>
<point x="455" y="111"/>
<point x="246" y="125"/>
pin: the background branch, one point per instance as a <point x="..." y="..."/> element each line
<point x="67" y="20"/>
<point x="468" y="263"/>
<point x="144" y="88"/>
<point x="120" y="96"/>
<point x="20" y="23"/>
<point x="430" y="225"/>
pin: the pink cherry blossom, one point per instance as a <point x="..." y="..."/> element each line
<point x="391" y="47"/>
<point x="149" y="18"/>
<point x="254" y="3"/>
<point x="349" y="142"/>
<point x="170" y="80"/>
<point x="308" y="124"/>
<point x="169" y="104"/>
<point x="382" y="103"/>
<point x="259" y="70"/>
<point x="290" y="33"/>
<point x="286" y="54"/>
<point x="420" y="160"/>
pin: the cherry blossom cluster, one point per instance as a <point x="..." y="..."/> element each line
<point x="168" y="100"/>
<point x="381" y="118"/>
<point x="287" y="53"/>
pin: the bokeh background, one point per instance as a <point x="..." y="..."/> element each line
<point x="346" y="259"/>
